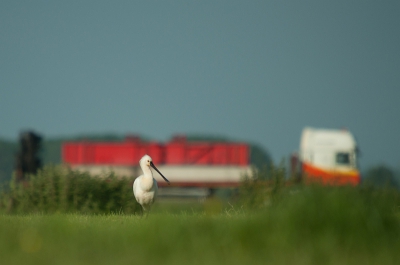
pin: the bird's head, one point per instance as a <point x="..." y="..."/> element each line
<point x="146" y="161"/>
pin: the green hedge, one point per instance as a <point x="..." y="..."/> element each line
<point x="57" y="189"/>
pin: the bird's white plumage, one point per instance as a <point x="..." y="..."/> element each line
<point x="145" y="186"/>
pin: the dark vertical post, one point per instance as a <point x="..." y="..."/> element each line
<point x="27" y="160"/>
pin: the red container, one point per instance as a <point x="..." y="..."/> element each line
<point x="87" y="153"/>
<point x="199" y="154"/>
<point x="244" y="155"/>
<point x="220" y="154"/>
<point x="69" y="153"/>
<point x="155" y="150"/>
<point x="77" y="153"/>
<point x="117" y="154"/>
<point x="233" y="154"/>
<point x="239" y="154"/>
<point x="175" y="153"/>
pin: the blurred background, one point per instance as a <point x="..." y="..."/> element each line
<point x="255" y="72"/>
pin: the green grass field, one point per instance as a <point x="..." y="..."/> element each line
<point x="304" y="225"/>
<point x="65" y="217"/>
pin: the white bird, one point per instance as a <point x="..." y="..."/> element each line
<point x="145" y="186"/>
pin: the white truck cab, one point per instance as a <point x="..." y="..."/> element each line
<point x="329" y="156"/>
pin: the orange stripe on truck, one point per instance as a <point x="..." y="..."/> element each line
<point x="335" y="177"/>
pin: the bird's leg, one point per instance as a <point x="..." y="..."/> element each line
<point x="146" y="213"/>
<point x="143" y="213"/>
<point x="140" y="213"/>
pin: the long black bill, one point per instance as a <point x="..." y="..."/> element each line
<point x="153" y="166"/>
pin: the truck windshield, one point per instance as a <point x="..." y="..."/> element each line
<point x="343" y="158"/>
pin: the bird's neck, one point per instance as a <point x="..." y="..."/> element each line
<point x="147" y="172"/>
<point x="147" y="180"/>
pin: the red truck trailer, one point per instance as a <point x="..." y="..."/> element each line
<point x="184" y="163"/>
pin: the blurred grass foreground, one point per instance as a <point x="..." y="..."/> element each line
<point x="67" y="217"/>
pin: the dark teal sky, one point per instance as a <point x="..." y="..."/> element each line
<point x="251" y="70"/>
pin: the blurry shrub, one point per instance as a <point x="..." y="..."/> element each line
<point x="381" y="176"/>
<point x="262" y="185"/>
<point x="259" y="157"/>
<point x="56" y="189"/>
<point x="329" y="215"/>
<point x="334" y="213"/>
